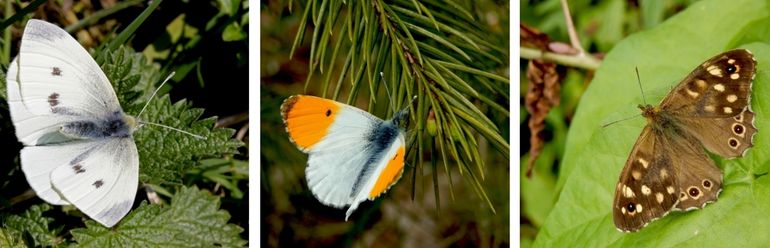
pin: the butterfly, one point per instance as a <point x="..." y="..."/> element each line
<point x="668" y="168"/>
<point x="353" y="155"/>
<point x="78" y="143"/>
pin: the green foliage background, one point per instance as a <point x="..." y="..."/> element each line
<point x="578" y="204"/>
<point x="201" y="184"/>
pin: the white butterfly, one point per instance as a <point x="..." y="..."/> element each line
<point x="79" y="147"/>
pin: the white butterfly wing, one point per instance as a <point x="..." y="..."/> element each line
<point x="102" y="180"/>
<point x="55" y="75"/>
<point x="38" y="162"/>
<point x="337" y="160"/>
<point x="342" y="167"/>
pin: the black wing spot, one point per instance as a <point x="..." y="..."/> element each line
<point x="631" y="207"/>
<point x="78" y="169"/>
<point x="53" y="99"/>
<point x="56" y="71"/>
<point x="98" y="183"/>
<point x="730" y="69"/>
<point x="328" y="112"/>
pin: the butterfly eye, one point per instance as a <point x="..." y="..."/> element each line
<point x="730" y="69"/>
<point x="631" y="207"/>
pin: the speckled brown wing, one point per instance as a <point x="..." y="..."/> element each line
<point x="647" y="189"/>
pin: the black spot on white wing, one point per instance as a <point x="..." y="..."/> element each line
<point x="56" y="71"/>
<point x="53" y="99"/>
<point x="78" y="169"/>
<point x="98" y="183"/>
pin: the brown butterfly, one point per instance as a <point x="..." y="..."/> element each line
<point x="668" y="168"/>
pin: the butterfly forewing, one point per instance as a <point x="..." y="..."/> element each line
<point x="647" y="189"/>
<point x="720" y="87"/>
<point x="64" y="79"/>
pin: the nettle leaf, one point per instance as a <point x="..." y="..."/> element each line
<point x="30" y="224"/>
<point x="164" y="155"/>
<point x="193" y="219"/>
<point x="594" y="156"/>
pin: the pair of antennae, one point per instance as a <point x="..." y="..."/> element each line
<point x="158" y="124"/>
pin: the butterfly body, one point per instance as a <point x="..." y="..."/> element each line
<point x="353" y="156"/>
<point x="668" y="168"/>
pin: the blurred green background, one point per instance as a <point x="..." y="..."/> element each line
<point x="292" y="217"/>
<point x="600" y="25"/>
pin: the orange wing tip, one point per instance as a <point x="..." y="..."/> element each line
<point x="390" y="175"/>
<point x="307" y="119"/>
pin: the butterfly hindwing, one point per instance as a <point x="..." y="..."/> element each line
<point x="102" y="180"/>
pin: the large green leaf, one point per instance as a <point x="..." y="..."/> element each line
<point x="594" y="155"/>
<point x="193" y="219"/>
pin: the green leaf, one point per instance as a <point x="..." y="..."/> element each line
<point x="193" y="219"/>
<point x="594" y="156"/>
<point x="31" y="223"/>
<point x="164" y="154"/>
<point x="8" y="240"/>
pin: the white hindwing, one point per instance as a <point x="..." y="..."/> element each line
<point x="101" y="182"/>
<point x="335" y="161"/>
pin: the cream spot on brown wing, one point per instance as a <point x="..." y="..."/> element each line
<point x="735" y="76"/>
<point x="709" y="108"/>
<point x="727" y="110"/>
<point x="646" y="190"/>
<point x="639" y="208"/>
<point x="682" y="196"/>
<point x="719" y="87"/>
<point x="693" y="94"/>
<point x="734" y="143"/>
<point x="732" y="98"/>
<point x="636" y="174"/>
<point x="670" y="189"/>
<point x="731" y="61"/>
<point x="714" y="70"/>
<point x="659" y="197"/>
<point x="701" y="83"/>
<point x="623" y="210"/>
<point x="663" y="173"/>
<point x="627" y="192"/>
<point x="644" y="163"/>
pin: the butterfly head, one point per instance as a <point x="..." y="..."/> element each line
<point x="648" y="111"/>
<point x="131" y="122"/>
<point x="401" y="117"/>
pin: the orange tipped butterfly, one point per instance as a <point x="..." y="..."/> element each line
<point x="353" y="156"/>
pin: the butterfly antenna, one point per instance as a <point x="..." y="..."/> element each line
<point x="624" y="119"/>
<point x="155" y="92"/>
<point x="161" y="125"/>
<point x="382" y="75"/>
<point x="639" y="81"/>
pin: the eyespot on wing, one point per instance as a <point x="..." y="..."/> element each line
<point x="308" y="118"/>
